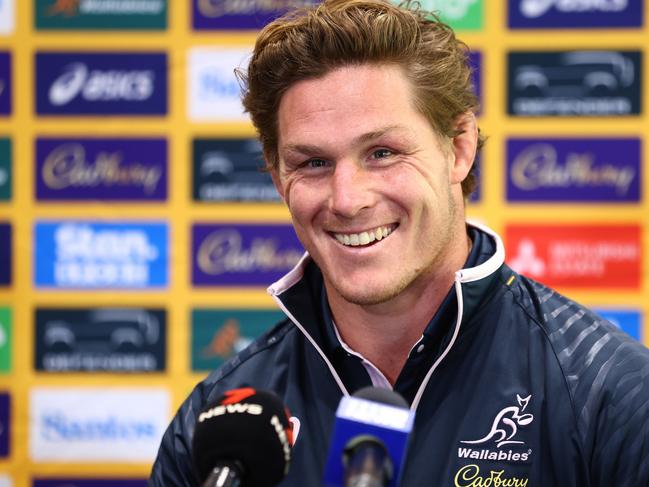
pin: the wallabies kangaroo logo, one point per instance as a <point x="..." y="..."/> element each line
<point x="505" y="425"/>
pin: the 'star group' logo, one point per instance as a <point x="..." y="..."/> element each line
<point x="503" y="434"/>
<point x="70" y="83"/>
<point x="597" y="256"/>
<point x="582" y="14"/>
<point x="574" y="83"/>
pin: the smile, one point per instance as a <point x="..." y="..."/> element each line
<point x="363" y="238"/>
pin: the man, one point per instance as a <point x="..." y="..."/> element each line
<point x="365" y="113"/>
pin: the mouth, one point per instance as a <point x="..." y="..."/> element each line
<point x="365" y="238"/>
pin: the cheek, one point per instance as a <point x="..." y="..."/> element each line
<point x="301" y="201"/>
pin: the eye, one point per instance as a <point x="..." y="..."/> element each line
<point x="315" y="163"/>
<point x="382" y="153"/>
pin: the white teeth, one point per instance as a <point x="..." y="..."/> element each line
<point x="363" y="238"/>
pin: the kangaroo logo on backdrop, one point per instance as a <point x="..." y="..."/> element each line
<point x="5" y="83"/>
<point x="603" y="169"/>
<point x="230" y="170"/>
<point x="101" y="169"/>
<point x="101" y="255"/>
<point x="574" y="13"/>
<point x="574" y="83"/>
<point x="245" y="255"/>
<point x="5" y="169"/>
<point x="219" y="334"/>
<point x="106" y="339"/>
<point x="101" y="83"/>
<point x="248" y="14"/>
<point x="504" y="432"/>
<point x="86" y="424"/>
<point x="100" y="14"/>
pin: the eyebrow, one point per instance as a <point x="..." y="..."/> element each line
<point x="366" y="137"/>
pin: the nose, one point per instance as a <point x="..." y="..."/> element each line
<point x="350" y="190"/>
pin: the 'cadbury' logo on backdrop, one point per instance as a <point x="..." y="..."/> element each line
<point x="69" y="83"/>
<point x="240" y="14"/>
<point x="100" y="255"/>
<point x="5" y="254"/>
<point x="575" y="13"/>
<point x="573" y="170"/>
<point x="5" y="83"/>
<point x="101" y="169"/>
<point x="243" y="255"/>
<point x="574" y="83"/>
<point x="5" y="425"/>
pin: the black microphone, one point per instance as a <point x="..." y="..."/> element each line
<point x="243" y="439"/>
<point x="369" y="440"/>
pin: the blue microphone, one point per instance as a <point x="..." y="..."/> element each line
<point x="369" y="440"/>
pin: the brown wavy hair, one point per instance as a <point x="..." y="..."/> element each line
<point x="309" y="42"/>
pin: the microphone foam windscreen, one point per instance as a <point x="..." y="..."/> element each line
<point x="249" y="427"/>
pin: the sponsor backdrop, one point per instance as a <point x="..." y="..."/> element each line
<point x="137" y="234"/>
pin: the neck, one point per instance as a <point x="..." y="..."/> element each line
<point x="384" y="333"/>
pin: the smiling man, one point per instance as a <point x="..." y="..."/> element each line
<point x="366" y="115"/>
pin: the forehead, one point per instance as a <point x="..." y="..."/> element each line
<point x="354" y="97"/>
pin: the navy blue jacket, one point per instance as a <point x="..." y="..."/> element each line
<point x="512" y="385"/>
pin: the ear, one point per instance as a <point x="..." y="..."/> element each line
<point x="464" y="146"/>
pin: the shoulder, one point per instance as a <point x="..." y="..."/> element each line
<point x="605" y="370"/>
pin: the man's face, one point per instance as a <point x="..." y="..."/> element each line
<point x="374" y="194"/>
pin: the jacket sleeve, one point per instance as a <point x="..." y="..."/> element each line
<point x="617" y="407"/>
<point x="173" y="465"/>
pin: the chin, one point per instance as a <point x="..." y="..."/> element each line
<point x="369" y="295"/>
